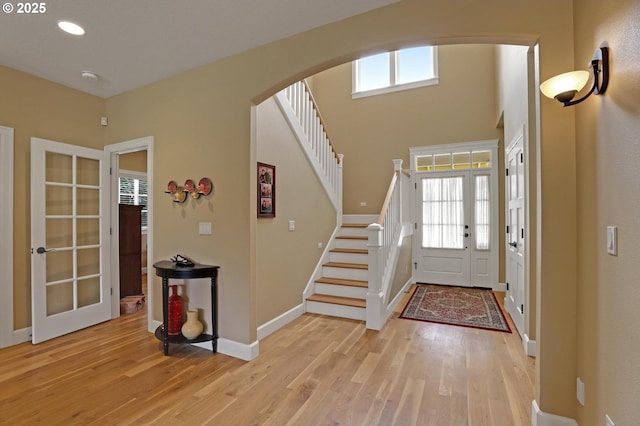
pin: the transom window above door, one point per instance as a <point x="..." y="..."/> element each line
<point x="443" y="161"/>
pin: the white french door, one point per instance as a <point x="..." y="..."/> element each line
<point x="70" y="242"/>
<point x="515" y="250"/>
<point x="456" y="214"/>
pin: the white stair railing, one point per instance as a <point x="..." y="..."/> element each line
<point x="301" y="111"/>
<point x="383" y="244"/>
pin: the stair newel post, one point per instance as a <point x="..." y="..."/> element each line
<point x="374" y="296"/>
<point x="339" y="189"/>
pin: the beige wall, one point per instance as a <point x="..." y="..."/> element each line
<point x="372" y="131"/>
<point x="200" y="121"/>
<point x="134" y="161"/>
<point x="607" y="129"/>
<point x="38" y="108"/>
<point x="285" y="259"/>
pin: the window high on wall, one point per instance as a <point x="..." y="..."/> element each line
<point x="392" y="71"/>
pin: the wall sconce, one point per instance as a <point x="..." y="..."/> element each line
<point x="564" y="87"/>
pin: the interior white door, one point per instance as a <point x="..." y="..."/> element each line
<point x="515" y="250"/>
<point x="70" y="242"/>
<point x="443" y="230"/>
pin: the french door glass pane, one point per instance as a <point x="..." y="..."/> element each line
<point x="482" y="212"/>
<point x="443" y="213"/>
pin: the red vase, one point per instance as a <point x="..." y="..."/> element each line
<point x="175" y="312"/>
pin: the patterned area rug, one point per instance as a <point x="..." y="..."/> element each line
<point x="456" y="306"/>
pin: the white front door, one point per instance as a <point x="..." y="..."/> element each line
<point x="443" y="229"/>
<point x="515" y="250"/>
<point x="70" y="242"/>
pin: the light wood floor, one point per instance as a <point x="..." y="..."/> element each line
<point x="316" y="371"/>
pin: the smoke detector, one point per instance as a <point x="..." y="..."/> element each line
<point x="90" y="76"/>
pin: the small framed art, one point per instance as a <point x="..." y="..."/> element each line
<point x="266" y="190"/>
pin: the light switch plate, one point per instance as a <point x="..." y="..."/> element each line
<point x="204" y="228"/>
<point x="612" y="240"/>
<point x="608" y="421"/>
<point x="292" y="225"/>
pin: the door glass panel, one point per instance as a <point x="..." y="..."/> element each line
<point x="513" y="225"/>
<point x="59" y="298"/>
<point x="88" y="171"/>
<point x="59" y="265"/>
<point x="88" y="232"/>
<point x="88" y="292"/>
<point x="58" y="168"/>
<point x="443" y="213"/>
<point x="88" y="261"/>
<point x="461" y="160"/>
<point x="481" y="159"/>
<point x="88" y="201"/>
<point x="58" y="200"/>
<point x="59" y="233"/>
<point x="482" y="212"/>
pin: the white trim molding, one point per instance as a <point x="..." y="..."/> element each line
<point x="530" y="346"/>
<point x="277" y="323"/>
<point x="540" y="418"/>
<point x="6" y="237"/>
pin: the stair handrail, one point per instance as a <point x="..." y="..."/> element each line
<point x="300" y="108"/>
<point x="382" y="239"/>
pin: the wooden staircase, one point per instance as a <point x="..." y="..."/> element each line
<point x="342" y="289"/>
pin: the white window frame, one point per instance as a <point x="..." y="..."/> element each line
<point x="135" y="175"/>
<point x="393" y="86"/>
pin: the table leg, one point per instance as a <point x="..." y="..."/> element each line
<point x="165" y="314"/>
<point x="214" y="312"/>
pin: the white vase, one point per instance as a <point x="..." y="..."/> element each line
<point x="192" y="328"/>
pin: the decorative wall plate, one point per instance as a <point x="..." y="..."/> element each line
<point x="195" y="194"/>
<point x="171" y="187"/>
<point x="188" y="185"/>
<point x="180" y="195"/>
<point x="205" y="186"/>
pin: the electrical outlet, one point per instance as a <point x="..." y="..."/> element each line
<point x="320" y="245"/>
<point x="363" y="204"/>
<point x="608" y="421"/>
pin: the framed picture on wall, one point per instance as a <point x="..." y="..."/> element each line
<point x="266" y="190"/>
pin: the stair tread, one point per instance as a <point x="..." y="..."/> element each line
<point x="347" y="265"/>
<point x="342" y="281"/>
<point x="354" y="225"/>
<point x="338" y="300"/>
<point x="348" y="250"/>
<point x="352" y="237"/>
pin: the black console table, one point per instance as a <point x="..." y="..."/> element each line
<point x="167" y="269"/>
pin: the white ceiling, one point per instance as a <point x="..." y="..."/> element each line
<point x="130" y="43"/>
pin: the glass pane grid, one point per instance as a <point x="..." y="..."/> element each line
<point x="482" y="212"/>
<point x="443" y="213"/>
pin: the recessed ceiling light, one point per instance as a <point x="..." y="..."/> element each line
<point x="71" y="28"/>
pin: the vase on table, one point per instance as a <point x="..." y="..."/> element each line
<point x="175" y="312"/>
<point x="193" y="327"/>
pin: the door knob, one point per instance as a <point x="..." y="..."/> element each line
<point x="513" y="244"/>
<point x="41" y="250"/>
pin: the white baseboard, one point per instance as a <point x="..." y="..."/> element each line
<point x="500" y="287"/>
<point x="394" y="303"/>
<point x="540" y="418"/>
<point x="277" y="323"/>
<point x="22" y="335"/>
<point x="243" y="351"/>
<point x="530" y="346"/>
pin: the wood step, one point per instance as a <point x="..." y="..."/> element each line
<point x="342" y="281"/>
<point x="346" y="265"/>
<point x="354" y="225"/>
<point x="352" y="237"/>
<point x="337" y="300"/>
<point x="347" y="250"/>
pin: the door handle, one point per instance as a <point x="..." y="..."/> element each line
<point x="513" y="244"/>
<point x="41" y="250"/>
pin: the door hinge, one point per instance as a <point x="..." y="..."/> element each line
<point x="521" y="157"/>
<point x="521" y="232"/>
<point x="111" y="291"/>
<point x="506" y="171"/>
<point x="507" y="229"/>
<point x="522" y="309"/>
<point x="110" y="171"/>
<point x="507" y="286"/>
<point x="415" y="185"/>
<point x="415" y="265"/>
<point x="110" y="231"/>
<point x="415" y="225"/>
